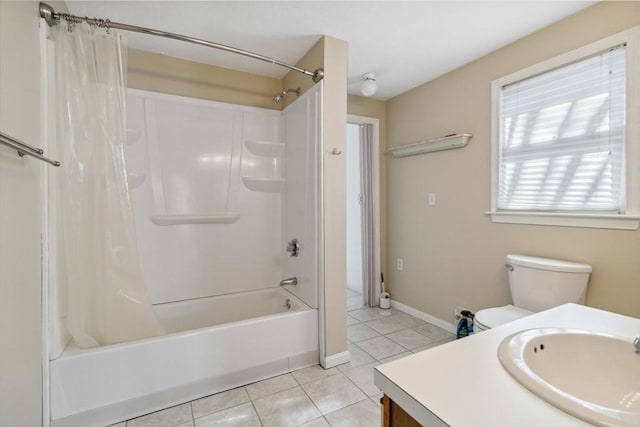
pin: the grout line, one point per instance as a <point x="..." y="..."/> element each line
<point x="348" y="406"/>
<point x="267" y="379"/>
<point x="221" y="410"/>
<point x="314" y="403"/>
<point x="360" y="388"/>
<point x="296" y="380"/>
<point x="255" y="410"/>
<point x="275" y="392"/>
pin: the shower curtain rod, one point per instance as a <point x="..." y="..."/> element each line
<point x="51" y="17"/>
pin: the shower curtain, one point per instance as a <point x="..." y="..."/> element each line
<point x="107" y="298"/>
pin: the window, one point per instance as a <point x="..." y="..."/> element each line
<point x="562" y="151"/>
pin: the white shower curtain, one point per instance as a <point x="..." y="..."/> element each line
<point x="108" y="301"/>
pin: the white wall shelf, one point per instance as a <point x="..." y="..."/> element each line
<point x="438" y="144"/>
<point x="226" y="218"/>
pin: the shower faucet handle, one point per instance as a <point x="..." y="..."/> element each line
<point x="293" y="247"/>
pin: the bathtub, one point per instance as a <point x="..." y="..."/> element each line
<point x="212" y="344"/>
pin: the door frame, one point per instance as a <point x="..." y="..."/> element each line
<point x="375" y="173"/>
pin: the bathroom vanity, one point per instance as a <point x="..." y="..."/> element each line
<point x="463" y="383"/>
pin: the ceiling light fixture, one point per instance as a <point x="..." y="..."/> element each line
<point x="368" y="86"/>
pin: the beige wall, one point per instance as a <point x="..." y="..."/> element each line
<point x="377" y="109"/>
<point x="312" y="60"/>
<point x="165" y="74"/>
<point x="334" y="135"/>
<point x="20" y="219"/>
<point x="331" y="54"/>
<point x="453" y="253"/>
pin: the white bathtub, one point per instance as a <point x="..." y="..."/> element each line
<point x="212" y="344"/>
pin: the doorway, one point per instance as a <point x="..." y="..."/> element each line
<point x="363" y="213"/>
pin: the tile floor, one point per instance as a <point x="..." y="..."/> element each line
<point x="314" y="397"/>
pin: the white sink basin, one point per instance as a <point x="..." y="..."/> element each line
<point x="595" y="377"/>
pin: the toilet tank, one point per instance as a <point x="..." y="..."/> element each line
<point x="540" y="283"/>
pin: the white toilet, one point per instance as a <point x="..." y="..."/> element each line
<point x="536" y="284"/>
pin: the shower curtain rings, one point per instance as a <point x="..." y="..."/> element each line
<point x="52" y="18"/>
<point x="103" y="23"/>
<point x="70" y="24"/>
<point x="71" y="21"/>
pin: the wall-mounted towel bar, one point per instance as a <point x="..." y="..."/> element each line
<point x="25" y="149"/>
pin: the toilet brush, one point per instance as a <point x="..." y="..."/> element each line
<point x="385" y="298"/>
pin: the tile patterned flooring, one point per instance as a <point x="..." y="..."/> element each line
<point x="314" y="397"/>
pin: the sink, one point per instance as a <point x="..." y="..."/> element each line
<point x="592" y="376"/>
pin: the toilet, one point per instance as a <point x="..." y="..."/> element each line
<point x="536" y="284"/>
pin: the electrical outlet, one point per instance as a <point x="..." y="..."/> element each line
<point x="399" y="264"/>
<point x="456" y="313"/>
<point x="432" y="199"/>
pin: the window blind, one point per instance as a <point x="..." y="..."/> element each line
<point x="562" y="138"/>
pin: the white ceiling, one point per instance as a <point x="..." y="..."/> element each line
<point x="404" y="43"/>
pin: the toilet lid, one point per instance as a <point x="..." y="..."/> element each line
<point x="496" y="316"/>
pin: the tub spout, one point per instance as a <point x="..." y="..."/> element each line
<point x="289" y="281"/>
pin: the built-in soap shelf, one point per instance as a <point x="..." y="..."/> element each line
<point x="268" y="163"/>
<point x="438" y="144"/>
<point x="265" y="185"/>
<point x="133" y="136"/>
<point x="264" y="148"/>
<point x="135" y="180"/>
<point x="226" y="218"/>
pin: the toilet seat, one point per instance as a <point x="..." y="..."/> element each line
<point x="496" y="316"/>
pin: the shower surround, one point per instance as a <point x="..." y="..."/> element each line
<point x="218" y="190"/>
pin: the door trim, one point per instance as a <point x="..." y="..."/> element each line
<point x="375" y="123"/>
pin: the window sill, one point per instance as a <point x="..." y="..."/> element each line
<point x="618" y="222"/>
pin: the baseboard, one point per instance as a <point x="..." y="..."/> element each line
<point x="424" y="316"/>
<point x="335" y="359"/>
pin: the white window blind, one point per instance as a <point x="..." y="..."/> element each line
<point x="562" y="138"/>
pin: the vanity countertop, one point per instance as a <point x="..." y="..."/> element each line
<point x="462" y="383"/>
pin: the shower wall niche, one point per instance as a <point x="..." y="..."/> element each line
<point x="207" y="182"/>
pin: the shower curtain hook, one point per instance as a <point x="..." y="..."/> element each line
<point x="70" y="23"/>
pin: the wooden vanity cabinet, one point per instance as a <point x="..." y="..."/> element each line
<point x="394" y="416"/>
